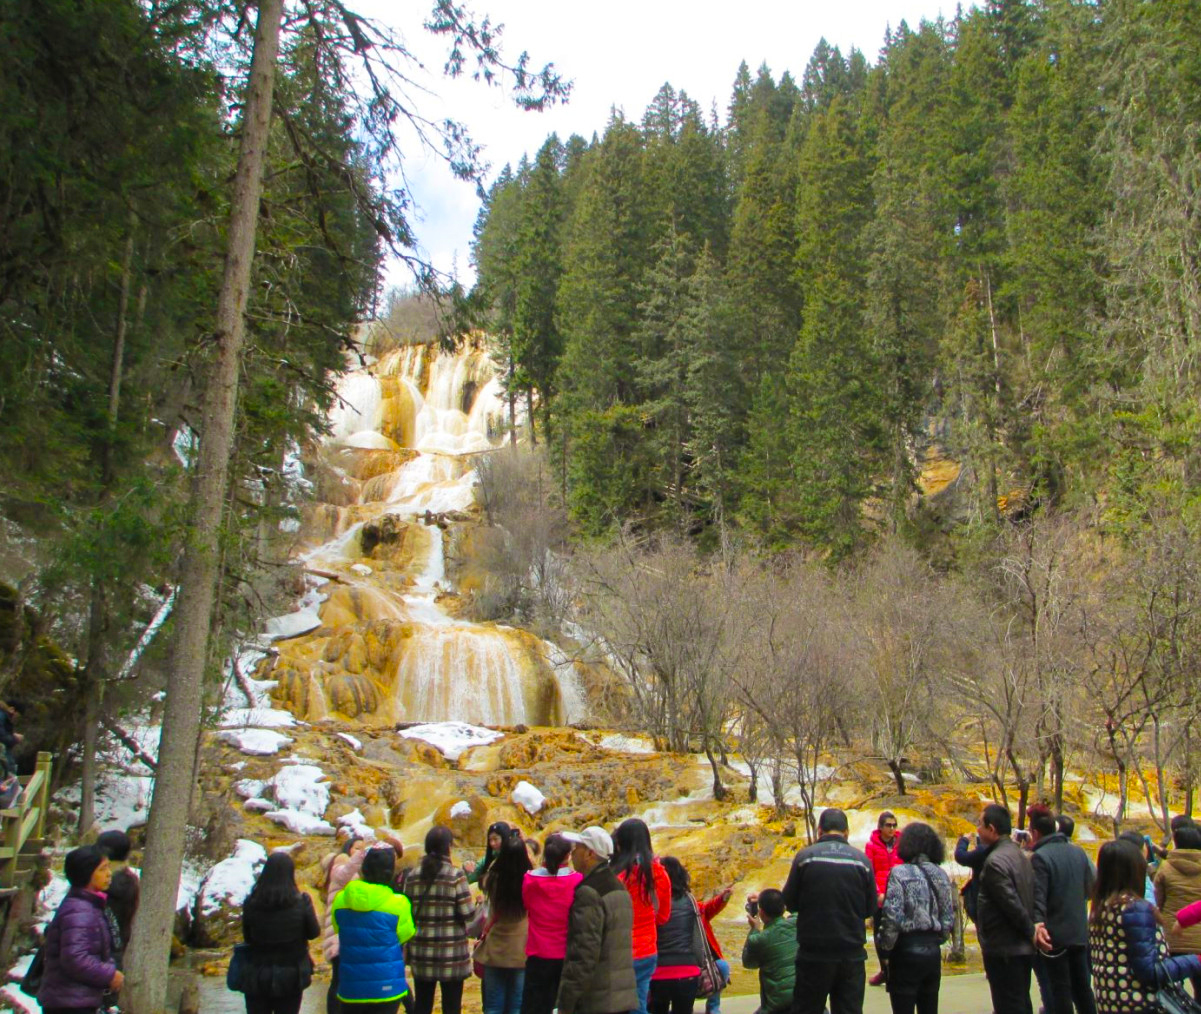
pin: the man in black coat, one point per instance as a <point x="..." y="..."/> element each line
<point x="1005" y="914"/>
<point x="1063" y="883"/>
<point x="832" y="889"/>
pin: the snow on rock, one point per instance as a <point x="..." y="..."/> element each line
<point x="452" y="738"/>
<point x="360" y="568"/>
<point x="301" y="795"/>
<point x="293" y="624"/>
<point x="355" y="743"/>
<point x="255" y="742"/>
<point x="230" y="880"/>
<point x="462" y="808"/>
<point x="299" y="823"/>
<point x="216" y="916"/>
<point x="356" y="824"/>
<point x="16" y="1000"/>
<point x="249" y="788"/>
<point x="259" y="718"/>
<point x="527" y="797"/>
<point x="259" y="805"/>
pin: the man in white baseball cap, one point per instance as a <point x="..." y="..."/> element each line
<point x="598" y="969"/>
<point x="595" y="839"/>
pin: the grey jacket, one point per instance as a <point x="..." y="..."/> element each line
<point x="1063" y="883"/>
<point x="1005" y="917"/>
<point x="918" y="900"/>
<point x="598" y="969"/>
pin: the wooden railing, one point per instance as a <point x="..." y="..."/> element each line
<point x="23" y="825"/>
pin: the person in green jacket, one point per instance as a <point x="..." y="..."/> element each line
<point x="771" y="947"/>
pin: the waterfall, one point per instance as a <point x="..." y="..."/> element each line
<point x="405" y="432"/>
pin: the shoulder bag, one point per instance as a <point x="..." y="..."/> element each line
<point x="1173" y="999"/>
<point x="239" y="967"/>
<point x="711" y="981"/>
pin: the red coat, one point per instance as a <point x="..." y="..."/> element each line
<point x="883" y="858"/>
<point x="647" y="917"/>
<point x="709" y="909"/>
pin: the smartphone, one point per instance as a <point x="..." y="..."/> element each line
<point x="752" y="909"/>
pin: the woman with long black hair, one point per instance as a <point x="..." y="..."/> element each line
<point x="635" y="864"/>
<point x="498" y="834"/>
<point x="438" y="954"/>
<point x="502" y="951"/>
<point x="1126" y="942"/>
<point x="677" y="974"/>
<point x="278" y="921"/>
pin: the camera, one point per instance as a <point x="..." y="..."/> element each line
<point x="752" y="909"/>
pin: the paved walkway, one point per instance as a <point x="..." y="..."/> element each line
<point x="960" y="994"/>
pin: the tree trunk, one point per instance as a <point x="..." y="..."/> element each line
<point x="93" y="681"/>
<point x="894" y="765"/>
<point x="719" y="790"/>
<point x="958" y="951"/>
<point x="149" y="951"/>
<point x="529" y="411"/>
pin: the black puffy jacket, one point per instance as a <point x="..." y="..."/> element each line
<point x="279" y="962"/>
<point x="677" y="934"/>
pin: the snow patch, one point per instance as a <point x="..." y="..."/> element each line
<point x="301" y="795"/>
<point x="360" y="568"/>
<point x="259" y="718"/>
<point x="461" y="809"/>
<point x="356" y="824"/>
<point x="355" y="743"/>
<point x="300" y="823"/>
<point x="452" y="738"/>
<point x="230" y="880"/>
<point x="255" y="742"/>
<point x="293" y="624"/>
<point x="527" y="797"/>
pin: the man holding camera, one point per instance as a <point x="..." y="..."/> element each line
<point x="771" y="948"/>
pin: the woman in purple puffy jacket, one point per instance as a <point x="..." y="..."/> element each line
<point x="78" y="949"/>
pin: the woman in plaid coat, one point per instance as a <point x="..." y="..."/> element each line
<point x="438" y="954"/>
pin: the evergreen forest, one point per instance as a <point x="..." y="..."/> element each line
<point x="980" y="246"/>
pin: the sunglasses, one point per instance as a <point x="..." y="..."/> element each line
<point x="890" y="825"/>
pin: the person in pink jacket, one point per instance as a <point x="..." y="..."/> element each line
<point x="547" y="892"/>
<point x="882" y="854"/>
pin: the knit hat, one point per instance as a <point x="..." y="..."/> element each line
<point x="81" y="863"/>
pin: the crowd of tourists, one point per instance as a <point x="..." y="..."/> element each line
<point x="592" y="923"/>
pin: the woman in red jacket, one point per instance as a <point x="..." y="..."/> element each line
<point x="635" y="864"/>
<point x="882" y="853"/>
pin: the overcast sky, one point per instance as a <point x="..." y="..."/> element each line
<point x="616" y="53"/>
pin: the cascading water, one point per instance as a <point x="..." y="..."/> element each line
<point x="403" y="439"/>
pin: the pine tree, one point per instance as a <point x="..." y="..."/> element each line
<point x="835" y="419"/>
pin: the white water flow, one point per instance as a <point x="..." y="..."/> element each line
<point x="405" y="433"/>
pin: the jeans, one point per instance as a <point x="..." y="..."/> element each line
<point x="842" y="982"/>
<point x="713" y="1003"/>
<point x="502" y="989"/>
<point x="644" y="968"/>
<point x="914" y="976"/>
<point x="541" y="985"/>
<point x="673" y="996"/>
<point x="1009" y="983"/>
<point x="423" y="995"/>
<point x="1068" y="974"/>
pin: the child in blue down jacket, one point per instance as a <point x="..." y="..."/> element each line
<point x="373" y="924"/>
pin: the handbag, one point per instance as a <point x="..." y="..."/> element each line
<point x="479" y="951"/>
<point x="711" y="981"/>
<point x="239" y="967"/>
<point x="31" y="981"/>
<point x="1173" y="999"/>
